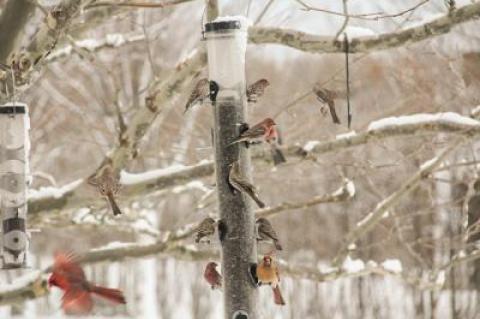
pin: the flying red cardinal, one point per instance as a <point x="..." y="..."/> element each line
<point x="263" y="131"/>
<point x="77" y="299"/>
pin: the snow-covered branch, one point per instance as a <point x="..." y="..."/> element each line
<point x="346" y="191"/>
<point x="152" y="181"/>
<point x="324" y="44"/>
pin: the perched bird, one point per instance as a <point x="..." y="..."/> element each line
<point x="267" y="273"/>
<point x="77" y="299"/>
<point x="212" y="276"/>
<point x="266" y="233"/>
<point x="263" y="131"/>
<point x="108" y="185"/>
<point x="205" y="229"/>
<point x="328" y="97"/>
<point x="200" y="92"/>
<point x="238" y="182"/>
<point x="256" y="90"/>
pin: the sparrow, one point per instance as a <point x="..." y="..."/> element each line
<point x="108" y="186"/>
<point x="266" y="233"/>
<point x="238" y="182"/>
<point x="263" y="131"/>
<point x="256" y="90"/>
<point x="77" y="299"/>
<point x="328" y="97"/>
<point x="212" y="276"/>
<point x="267" y="273"/>
<point x="200" y="92"/>
<point x="205" y="229"/>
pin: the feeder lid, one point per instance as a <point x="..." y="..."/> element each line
<point x="222" y="25"/>
<point x="11" y="109"/>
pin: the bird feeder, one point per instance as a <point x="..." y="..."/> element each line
<point x="14" y="150"/>
<point x="226" y="39"/>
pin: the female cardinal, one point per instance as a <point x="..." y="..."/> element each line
<point x="69" y="276"/>
<point x="212" y="276"/>
<point x="267" y="273"/>
<point x="263" y="131"/>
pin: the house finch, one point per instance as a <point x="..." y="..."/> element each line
<point x="77" y="299"/>
<point x="267" y="273"/>
<point x="108" y="185"/>
<point x="263" y="131"/>
<point x="205" y="229"/>
<point x="212" y="276"/>
<point x="266" y="233"/>
<point x="328" y="97"/>
<point x="256" y="90"/>
<point x="200" y="92"/>
<point x="238" y="182"/>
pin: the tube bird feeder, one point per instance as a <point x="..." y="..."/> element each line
<point x="14" y="150"/>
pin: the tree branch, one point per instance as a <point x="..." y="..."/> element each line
<point x="135" y="4"/>
<point x="325" y="44"/>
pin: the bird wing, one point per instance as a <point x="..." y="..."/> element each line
<point x="254" y="131"/>
<point x="66" y="266"/>
<point x="77" y="301"/>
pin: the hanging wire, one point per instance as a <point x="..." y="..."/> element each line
<point x="347" y="71"/>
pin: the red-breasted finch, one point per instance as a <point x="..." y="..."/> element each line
<point x="328" y="97"/>
<point x="263" y="131"/>
<point x="77" y="299"/>
<point x="256" y="90"/>
<point x="108" y="185"/>
<point x="266" y="233"/>
<point x="205" y="229"/>
<point x="267" y="273"/>
<point x="238" y="182"/>
<point x="200" y="92"/>
<point x="212" y="276"/>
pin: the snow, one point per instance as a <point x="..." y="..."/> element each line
<point x="350" y="186"/>
<point x="130" y="178"/>
<point x="356" y="32"/>
<point x="310" y="145"/>
<point x="115" y="245"/>
<point x="424" y="118"/>
<point x="53" y="192"/>
<point x="353" y="265"/>
<point x="346" y="135"/>
<point x="393" y="265"/>
<point x="189" y="186"/>
<point x="20" y="282"/>
<point x="428" y="163"/>
<point x="440" y="280"/>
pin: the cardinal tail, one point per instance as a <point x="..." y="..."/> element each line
<point x="116" y="210"/>
<point x="113" y="295"/>
<point x="277" y="296"/>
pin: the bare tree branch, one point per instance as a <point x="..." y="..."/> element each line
<point x="135" y="4"/>
<point x="324" y="44"/>
<point x="376" y="215"/>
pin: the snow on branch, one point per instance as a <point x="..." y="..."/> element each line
<point x="393" y="127"/>
<point x="346" y="191"/>
<point x="325" y="44"/>
<point x="379" y="212"/>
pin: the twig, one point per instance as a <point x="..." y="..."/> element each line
<point x="134" y="4"/>
<point x="264" y="11"/>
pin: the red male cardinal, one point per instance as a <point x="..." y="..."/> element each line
<point x="267" y="273"/>
<point x="263" y="131"/>
<point x="212" y="276"/>
<point x="77" y="300"/>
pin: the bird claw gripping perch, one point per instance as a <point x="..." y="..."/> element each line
<point x="253" y="275"/>
<point x="214" y="88"/>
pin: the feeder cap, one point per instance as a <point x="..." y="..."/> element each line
<point x="222" y="25"/>
<point x="12" y="109"/>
